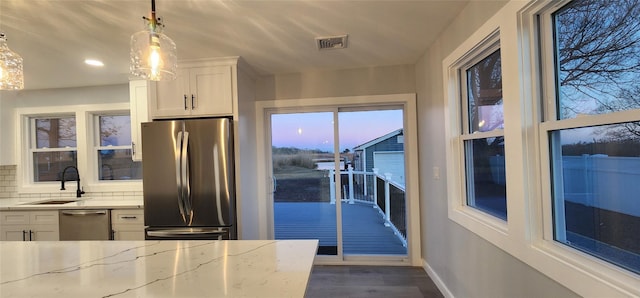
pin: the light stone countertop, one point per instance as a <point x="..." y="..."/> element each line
<point x="82" y="203"/>
<point x="233" y="268"/>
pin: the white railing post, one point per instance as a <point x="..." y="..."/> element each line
<point x="351" y="196"/>
<point x="375" y="187"/>
<point x="387" y="199"/>
<point x="332" y="186"/>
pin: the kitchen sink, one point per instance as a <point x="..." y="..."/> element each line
<point x="51" y="202"/>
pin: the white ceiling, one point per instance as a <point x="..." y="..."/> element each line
<point x="55" y="36"/>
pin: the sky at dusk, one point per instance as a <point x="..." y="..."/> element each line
<point x="315" y="130"/>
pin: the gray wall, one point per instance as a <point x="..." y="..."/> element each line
<point x="6" y="127"/>
<point x="375" y="80"/>
<point x="468" y="265"/>
<point x="246" y="189"/>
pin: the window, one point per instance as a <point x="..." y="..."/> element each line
<point x="482" y="134"/>
<point x="571" y="120"/>
<point x="113" y="149"/>
<point x="96" y="139"/>
<point x="592" y="126"/>
<point x="53" y="146"/>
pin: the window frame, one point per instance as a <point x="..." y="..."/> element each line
<point x="406" y="101"/>
<point x="97" y="147"/>
<point x="33" y="146"/>
<point x="549" y="122"/>
<point x="85" y="144"/>
<point x="484" y="50"/>
<point x="484" y="43"/>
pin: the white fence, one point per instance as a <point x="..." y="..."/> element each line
<point x="611" y="183"/>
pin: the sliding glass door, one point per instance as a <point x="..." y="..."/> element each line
<point x="302" y="153"/>
<point x="339" y="177"/>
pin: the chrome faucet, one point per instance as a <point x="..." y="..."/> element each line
<point x="79" y="191"/>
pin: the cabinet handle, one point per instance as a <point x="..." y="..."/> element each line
<point x="30" y="235"/>
<point x="83" y="212"/>
<point x="185" y="102"/>
<point x="24" y="235"/>
<point x="129" y="217"/>
<point x="133" y="148"/>
<point x="193" y="106"/>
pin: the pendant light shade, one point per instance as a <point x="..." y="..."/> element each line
<point x="11" y="73"/>
<point x="153" y="54"/>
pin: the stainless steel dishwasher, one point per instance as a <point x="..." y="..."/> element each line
<point x="84" y="224"/>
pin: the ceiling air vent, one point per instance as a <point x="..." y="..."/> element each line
<point x="333" y="42"/>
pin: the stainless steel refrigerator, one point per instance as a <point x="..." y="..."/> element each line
<point x="188" y="179"/>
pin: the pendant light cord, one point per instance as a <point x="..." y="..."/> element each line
<point x="153" y="21"/>
<point x="153" y="12"/>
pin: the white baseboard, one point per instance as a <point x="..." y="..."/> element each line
<point x="436" y="279"/>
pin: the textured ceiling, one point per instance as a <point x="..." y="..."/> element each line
<point x="55" y="36"/>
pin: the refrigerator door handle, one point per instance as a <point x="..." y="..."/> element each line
<point x="216" y="178"/>
<point x="179" y="179"/>
<point x="186" y="201"/>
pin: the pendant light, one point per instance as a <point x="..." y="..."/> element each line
<point x="153" y="54"/>
<point x="11" y="73"/>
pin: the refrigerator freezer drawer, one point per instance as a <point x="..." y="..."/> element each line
<point x="190" y="233"/>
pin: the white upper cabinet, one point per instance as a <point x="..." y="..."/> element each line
<point x="139" y="93"/>
<point x="197" y="91"/>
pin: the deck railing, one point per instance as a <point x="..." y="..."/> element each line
<point x="375" y="189"/>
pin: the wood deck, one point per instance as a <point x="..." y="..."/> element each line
<point x="363" y="233"/>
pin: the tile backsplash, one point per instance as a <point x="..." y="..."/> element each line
<point x="8" y="182"/>
<point x="8" y="189"/>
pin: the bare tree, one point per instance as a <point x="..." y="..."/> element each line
<point x="598" y="55"/>
<point x="111" y="126"/>
<point x="484" y="83"/>
<point x="56" y="132"/>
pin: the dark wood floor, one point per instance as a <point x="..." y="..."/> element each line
<point x="370" y="282"/>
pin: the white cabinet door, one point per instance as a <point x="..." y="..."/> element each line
<point x="29" y="226"/>
<point x="48" y="232"/>
<point x="127" y="224"/>
<point x="44" y="226"/>
<point x="211" y="90"/>
<point x="43" y="218"/>
<point x="128" y="233"/>
<point x="196" y="92"/>
<point x="14" y="233"/>
<point x="139" y="93"/>
<point x="172" y="97"/>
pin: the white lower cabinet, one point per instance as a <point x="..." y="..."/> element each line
<point x="127" y="224"/>
<point x="29" y="226"/>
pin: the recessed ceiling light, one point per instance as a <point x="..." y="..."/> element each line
<point x="93" y="62"/>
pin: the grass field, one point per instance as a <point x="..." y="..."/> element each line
<point x="298" y="184"/>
